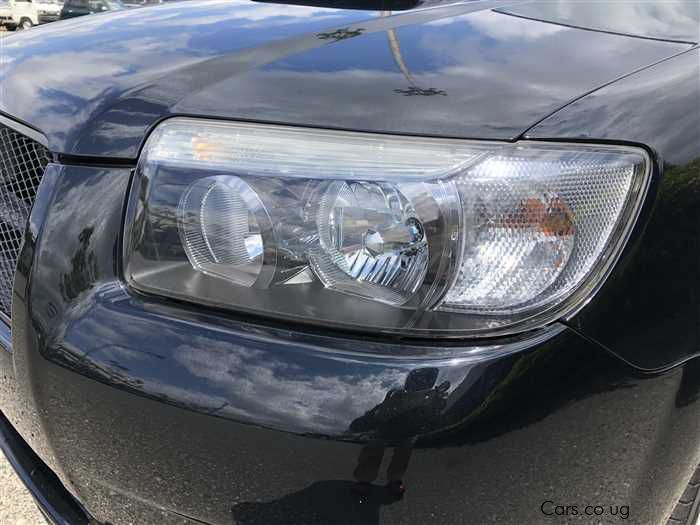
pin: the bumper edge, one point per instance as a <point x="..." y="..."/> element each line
<point x="53" y="499"/>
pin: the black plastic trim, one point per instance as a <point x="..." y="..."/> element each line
<point x="95" y="162"/>
<point x="53" y="499"/>
<point x="5" y="333"/>
<point x="25" y="130"/>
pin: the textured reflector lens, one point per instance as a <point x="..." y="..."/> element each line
<point x="536" y="221"/>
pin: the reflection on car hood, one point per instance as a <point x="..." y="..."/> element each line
<point x="95" y="85"/>
<point x="677" y="20"/>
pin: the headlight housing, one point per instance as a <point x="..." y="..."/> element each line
<point x="407" y="235"/>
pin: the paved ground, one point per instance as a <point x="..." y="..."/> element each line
<point x="16" y="505"/>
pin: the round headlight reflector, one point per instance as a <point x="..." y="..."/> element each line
<point x="371" y="242"/>
<point x="219" y="229"/>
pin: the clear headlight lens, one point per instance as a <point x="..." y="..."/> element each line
<point x="370" y="242"/>
<point x="536" y="221"/>
<point x="220" y="231"/>
<point x="378" y="232"/>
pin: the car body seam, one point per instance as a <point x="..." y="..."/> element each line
<point x="524" y="135"/>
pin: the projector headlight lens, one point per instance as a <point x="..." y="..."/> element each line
<point x="396" y="234"/>
<point x="219" y="219"/>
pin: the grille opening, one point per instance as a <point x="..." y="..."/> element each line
<point x="22" y="164"/>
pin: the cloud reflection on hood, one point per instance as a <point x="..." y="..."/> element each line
<point x="493" y="71"/>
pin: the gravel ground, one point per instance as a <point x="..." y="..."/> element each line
<point x="16" y="505"/>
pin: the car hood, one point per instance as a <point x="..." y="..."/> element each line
<point x="95" y="85"/>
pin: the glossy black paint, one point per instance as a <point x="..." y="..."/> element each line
<point x="455" y="70"/>
<point x="677" y="22"/>
<point x="152" y="411"/>
<point x="149" y="410"/>
<point x="654" y="289"/>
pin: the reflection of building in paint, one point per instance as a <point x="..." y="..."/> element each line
<point x="413" y="89"/>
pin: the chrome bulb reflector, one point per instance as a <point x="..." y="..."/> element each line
<point x="371" y="243"/>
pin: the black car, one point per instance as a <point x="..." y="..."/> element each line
<point x="75" y="8"/>
<point x="354" y="262"/>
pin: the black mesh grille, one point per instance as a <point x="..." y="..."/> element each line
<point x="22" y="163"/>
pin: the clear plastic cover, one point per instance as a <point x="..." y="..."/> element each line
<point x="536" y="220"/>
<point x="219" y="230"/>
<point x="327" y="154"/>
<point x="378" y="232"/>
<point x="370" y="242"/>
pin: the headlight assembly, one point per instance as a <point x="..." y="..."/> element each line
<point x="407" y="235"/>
